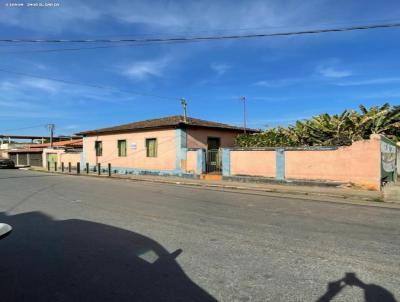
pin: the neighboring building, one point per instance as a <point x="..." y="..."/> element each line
<point x="158" y="146"/>
<point x="5" y="147"/>
<point x="40" y="154"/>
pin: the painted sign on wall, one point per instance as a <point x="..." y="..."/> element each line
<point x="388" y="152"/>
<point x="388" y="160"/>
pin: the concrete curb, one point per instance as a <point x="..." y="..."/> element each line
<point x="306" y="196"/>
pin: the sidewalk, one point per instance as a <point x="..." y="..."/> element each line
<point x="313" y="193"/>
<point x="391" y="192"/>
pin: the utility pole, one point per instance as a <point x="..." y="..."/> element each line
<point x="51" y="129"/>
<point x="184" y="106"/>
<point x="243" y="99"/>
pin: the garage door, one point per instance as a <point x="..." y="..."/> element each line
<point x="22" y="159"/>
<point x="36" y="159"/>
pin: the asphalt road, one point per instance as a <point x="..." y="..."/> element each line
<point x="91" y="239"/>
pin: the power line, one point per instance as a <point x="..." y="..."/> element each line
<point x="231" y="29"/>
<point x="89" y="48"/>
<point x="144" y="42"/>
<point x="23" y="128"/>
<point x="205" y="38"/>
<point x="88" y="85"/>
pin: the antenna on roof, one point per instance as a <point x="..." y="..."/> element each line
<point x="184" y="105"/>
<point x="243" y="99"/>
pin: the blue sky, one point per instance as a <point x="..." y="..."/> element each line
<point x="283" y="78"/>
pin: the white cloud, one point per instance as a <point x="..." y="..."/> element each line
<point x="55" y="19"/>
<point x="42" y="84"/>
<point x="370" y="82"/>
<point x="15" y="104"/>
<point x="142" y="70"/>
<point x="278" y="83"/>
<point x="177" y="17"/>
<point x="332" y="72"/>
<point x="220" y="68"/>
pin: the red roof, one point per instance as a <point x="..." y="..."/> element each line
<point x="67" y="143"/>
<point x="175" y="121"/>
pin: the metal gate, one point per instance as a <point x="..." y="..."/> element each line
<point x="214" y="161"/>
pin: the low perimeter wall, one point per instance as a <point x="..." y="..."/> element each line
<point x="72" y="158"/>
<point x="254" y="163"/>
<point x="359" y="163"/>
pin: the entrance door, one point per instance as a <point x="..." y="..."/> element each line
<point x="213" y="143"/>
<point x="213" y="155"/>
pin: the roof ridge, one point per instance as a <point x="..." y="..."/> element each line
<point x="164" y="122"/>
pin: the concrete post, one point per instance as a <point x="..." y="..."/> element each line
<point x="280" y="164"/>
<point x="201" y="162"/>
<point x="226" y="162"/>
<point x="181" y="148"/>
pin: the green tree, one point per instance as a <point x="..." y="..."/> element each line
<point x="330" y="130"/>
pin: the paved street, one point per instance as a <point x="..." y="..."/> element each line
<point x="91" y="239"/>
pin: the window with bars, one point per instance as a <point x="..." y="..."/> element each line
<point x="98" y="146"/>
<point x="122" y="148"/>
<point x="151" y="147"/>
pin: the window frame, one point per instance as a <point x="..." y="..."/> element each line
<point x="99" y="151"/>
<point x="147" y="140"/>
<point x="120" y="153"/>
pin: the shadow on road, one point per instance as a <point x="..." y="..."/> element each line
<point x="372" y="292"/>
<point x="76" y="260"/>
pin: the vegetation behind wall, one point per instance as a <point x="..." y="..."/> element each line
<point x="330" y="130"/>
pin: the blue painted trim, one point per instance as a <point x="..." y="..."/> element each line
<point x="226" y="162"/>
<point x="181" y="148"/>
<point x="200" y="168"/>
<point x="136" y="171"/>
<point x="280" y="164"/>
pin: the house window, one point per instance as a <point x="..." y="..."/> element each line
<point x="122" y="147"/>
<point x="98" y="145"/>
<point x="151" y="147"/>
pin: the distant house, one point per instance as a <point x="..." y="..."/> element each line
<point x="41" y="154"/>
<point x="158" y="146"/>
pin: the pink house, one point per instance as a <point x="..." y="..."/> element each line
<point x="159" y="146"/>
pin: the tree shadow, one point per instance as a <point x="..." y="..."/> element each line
<point x="372" y="292"/>
<point x="75" y="260"/>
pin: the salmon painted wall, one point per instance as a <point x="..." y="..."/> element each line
<point x="166" y="153"/>
<point x="191" y="162"/>
<point x="253" y="163"/>
<point x="358" y="163"/>
<point x="197" y="138"/>
<point x="72" y="158"/>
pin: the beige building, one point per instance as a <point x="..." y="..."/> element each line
<point x="156" y="146"/>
